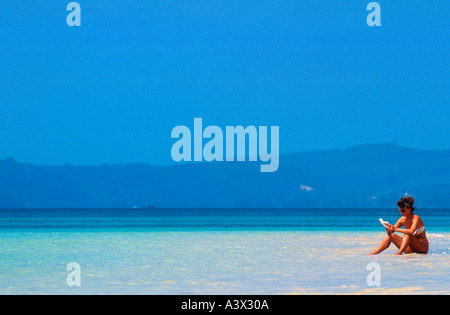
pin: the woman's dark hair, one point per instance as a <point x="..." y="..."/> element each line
<point x="407" y="202"/>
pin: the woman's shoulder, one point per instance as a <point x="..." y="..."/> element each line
<point x="401" y="220"/>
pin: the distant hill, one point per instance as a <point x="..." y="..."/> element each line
<point x="361" y="176"/>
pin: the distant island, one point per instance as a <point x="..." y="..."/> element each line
<point x="360" y="176"/>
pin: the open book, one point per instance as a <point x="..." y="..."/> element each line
<point x="384" y="223"/>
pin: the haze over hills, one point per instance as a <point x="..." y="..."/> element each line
<point x="361" y="176"/>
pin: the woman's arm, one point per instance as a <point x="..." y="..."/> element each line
<point x="412" y="229"/>
<point x="397" y="225"/>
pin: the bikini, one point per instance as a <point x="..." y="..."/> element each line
<point x="419" y="231"/>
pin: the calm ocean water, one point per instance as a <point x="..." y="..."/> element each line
<point x="215" y="251"/>
<point x="212" y="219"/>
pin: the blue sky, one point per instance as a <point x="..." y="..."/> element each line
<point x="111" y="90"/>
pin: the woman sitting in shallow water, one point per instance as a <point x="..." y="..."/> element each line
<point x="414" y="239"/>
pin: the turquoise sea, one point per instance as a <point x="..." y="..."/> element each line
<point x="215" y="251"/>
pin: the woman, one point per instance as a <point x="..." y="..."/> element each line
<point x="414" y="239"/>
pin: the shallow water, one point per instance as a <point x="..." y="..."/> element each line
<point x="214" y="251"/>
<point x="215" y="262"/>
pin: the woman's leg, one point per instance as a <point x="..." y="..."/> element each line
<point x="390" y="238"/>
<point x="411" y="244"/>
<point x="382" y="247"/>
<point x="417" y="246"/>
<point x="405" y="245"/>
